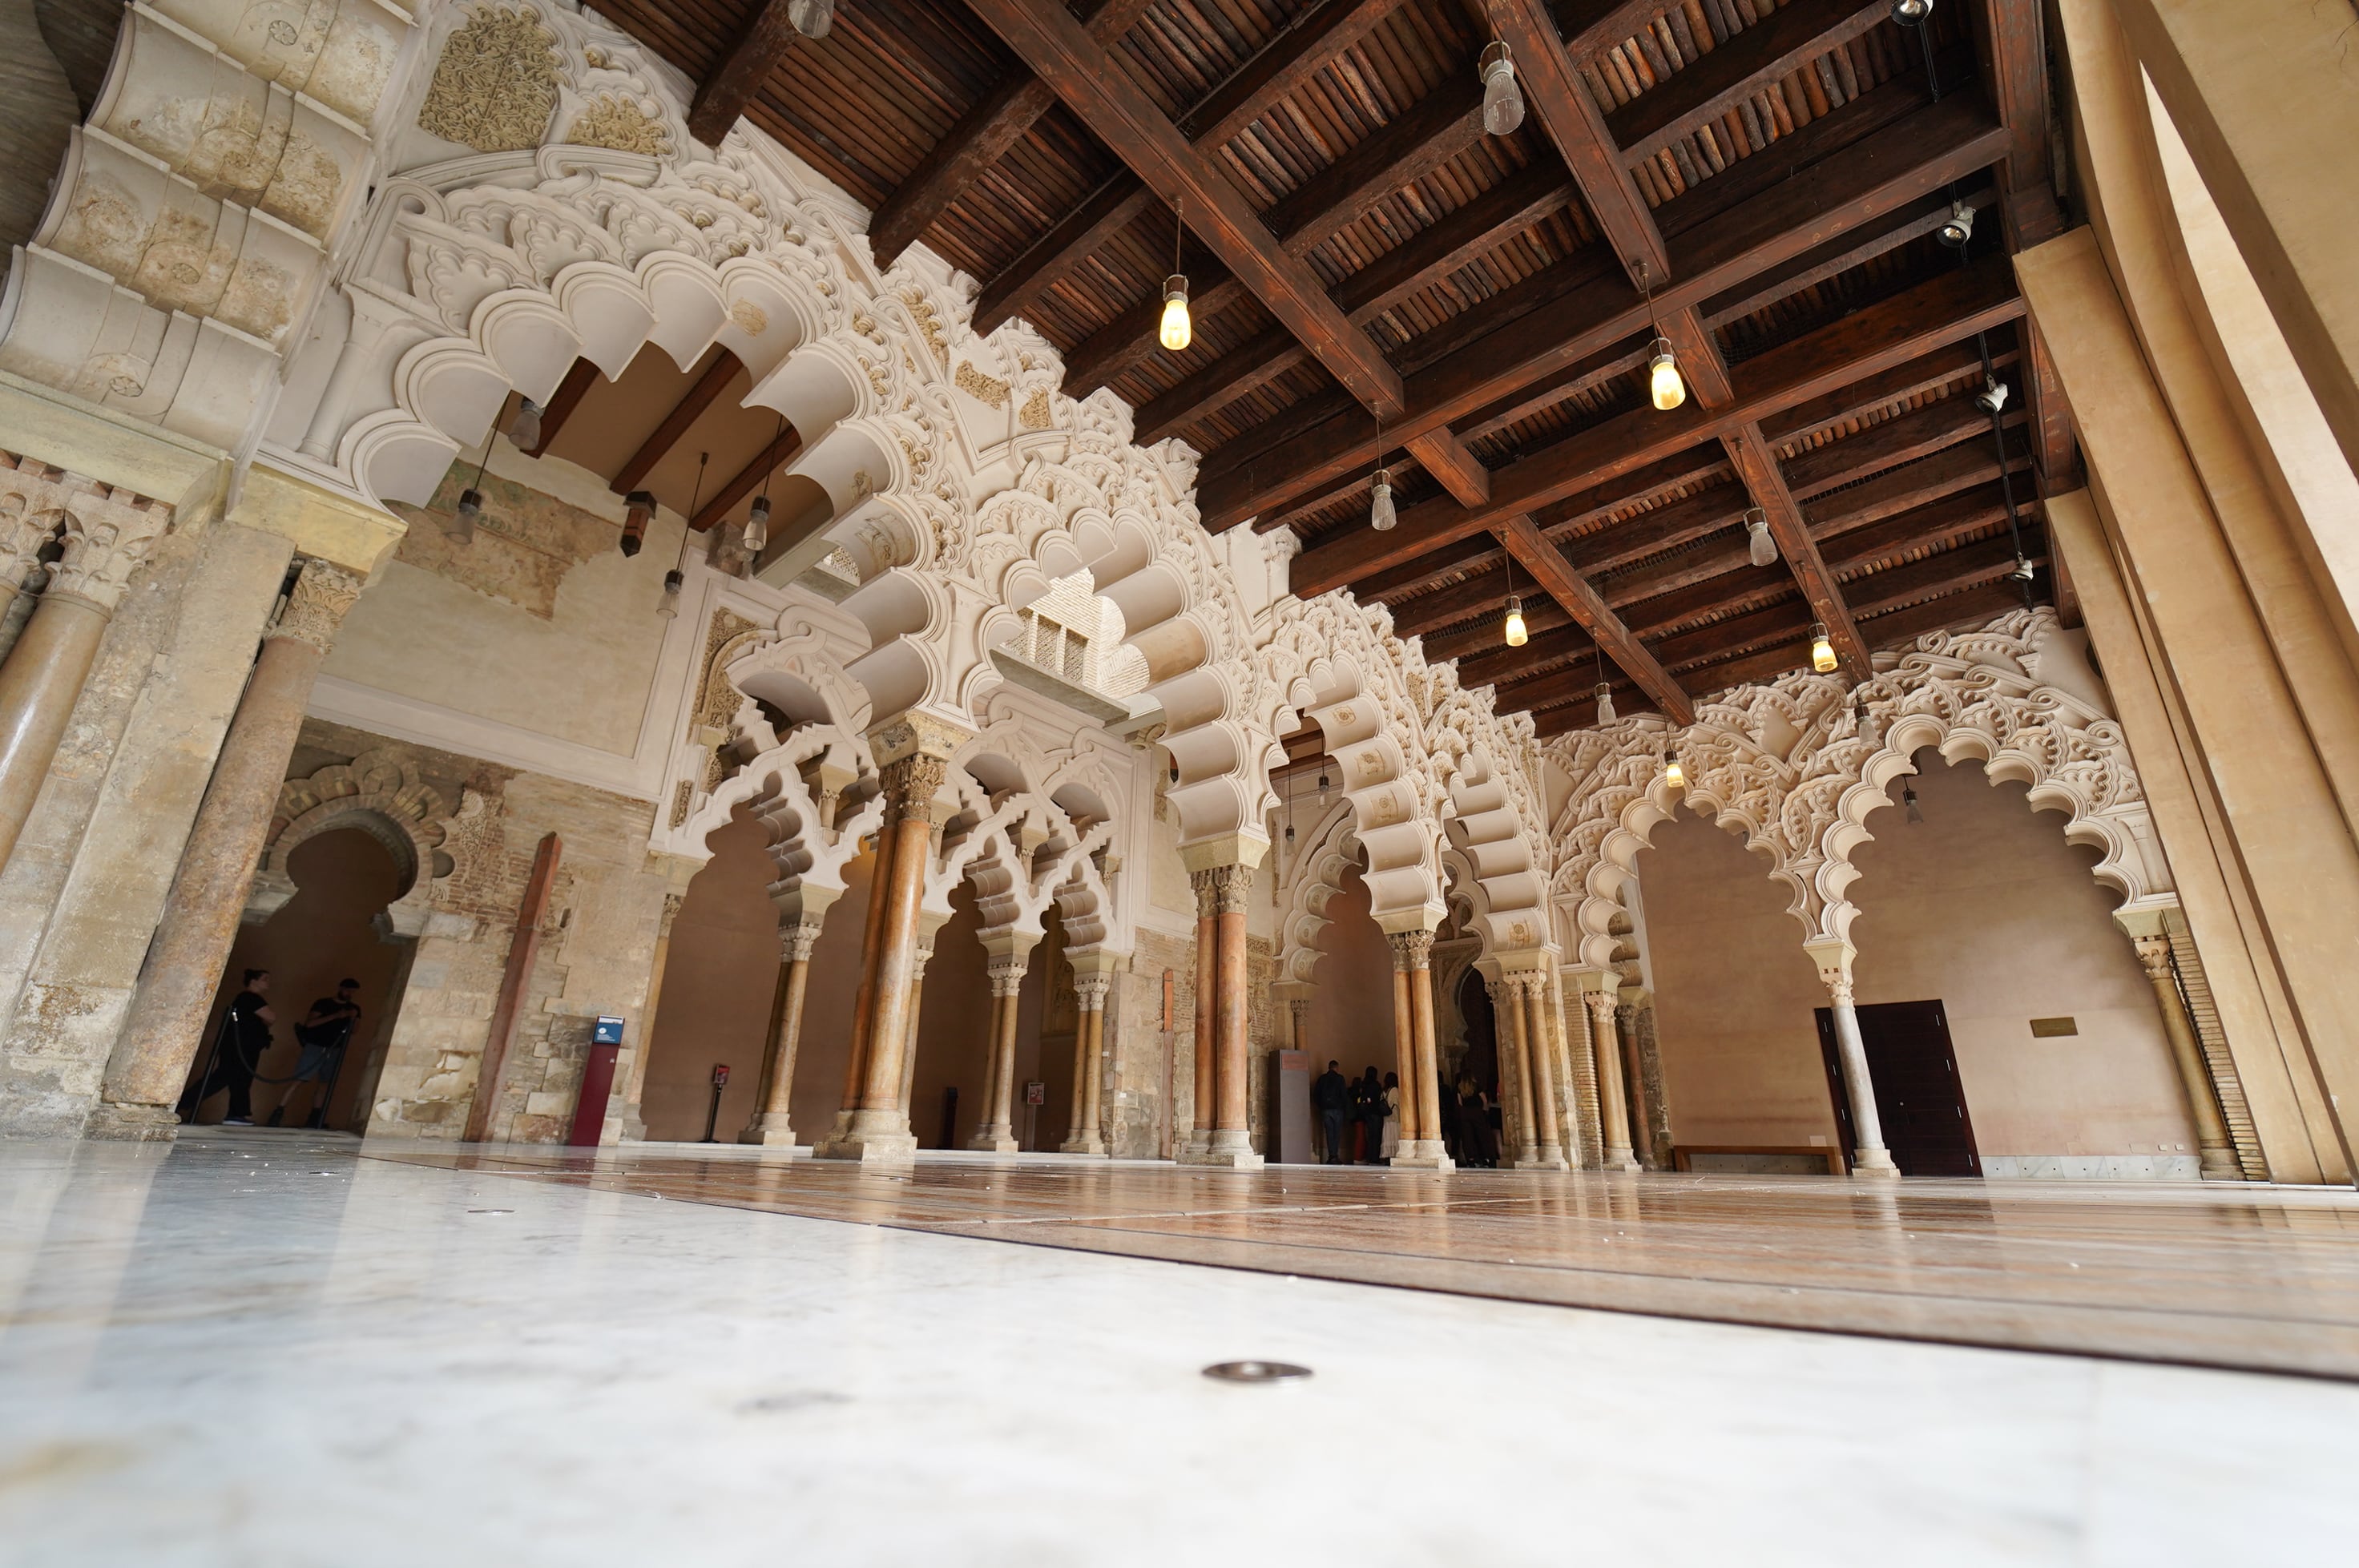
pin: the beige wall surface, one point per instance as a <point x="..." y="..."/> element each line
<point x="715" y="1003"/>
<point x="1351" y="1014"/>
<point x="1983" y="907"/>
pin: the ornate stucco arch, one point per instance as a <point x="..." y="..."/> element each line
<point x="379" y="793"/>
<point x="1309" y="882"/>
<point x="1788" y="767"/>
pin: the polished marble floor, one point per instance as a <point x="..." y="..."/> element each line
<point x="266" y="1349"/>
<point x="2256" y="1277"/>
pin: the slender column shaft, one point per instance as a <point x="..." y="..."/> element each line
<point x="1078" y="1116"/>
<point x="995" y="1077"/>
<point x="871" y="943"/>
<point x="997" y="1131"/>
<point x="2218" y="1153"/>
<point x="1551" y="1137"/>
<point x="1207" y="949"/>
<point x="772" y="1124"/>
<point x="191" y="945"/>
<point x="895" y="961"/>
<point x="1866" y="1125"/>
<point x="1231" y="1041"/>
<point x="1613" y="1110"/>
<point x="1585" y="1139"/>
<point x="1642" y="1092"/>
<point x="909" y="1031"/>
<point x="1526" y="1081"/>
<point x="635" y="1086"/>
<point x="1093" y="1114"/>
<point x="1428" y="1087"/>
<point x="1405" y="1042"/>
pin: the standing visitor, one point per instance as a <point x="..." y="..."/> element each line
<point x="1331" y="1097"/>
<point x="1392" y="1114"/>
<point x="238" y="1048"/>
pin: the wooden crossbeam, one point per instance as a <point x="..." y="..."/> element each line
<point x="1773" y="48"/>
<point x="1112" y="207"/>
<point x="1567" y="587"/>
<point x="721" y="97"/>
<point x="1757" y="467"/>
<point x="1855" y="187"/>
<point x="686" y="412"/>
<point x="579" y="379"/>
<point x="1941" y="311"/>
<point x="1283" y="63"/>
<point x="777" y="454"/>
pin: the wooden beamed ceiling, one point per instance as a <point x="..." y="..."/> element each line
<point x="1374" y="280"/>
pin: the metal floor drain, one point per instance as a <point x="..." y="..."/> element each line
<point x="1255" y="1371"/>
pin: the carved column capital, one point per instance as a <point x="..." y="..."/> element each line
<point x="1602" y="1006"/>
<point x="323" y="595"/>
<point x="1090" y="991"/>
<point x="1006" y="974"/>
<point x="911" y="782"/>
<point x="796" y="941"/>
<point x="1221" y="889"/>
<point x="1411" y="950"/>
<point x="1832" y="955"/>
<point x="108" y="536"/>
<point x="32" y="504"/>
<point x="672" y="901"/>
<point x="2154" y="954"/>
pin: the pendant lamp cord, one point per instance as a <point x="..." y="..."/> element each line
<point x="695" y="497"/>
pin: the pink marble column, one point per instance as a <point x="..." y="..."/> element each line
<point x="192" y="947"/>
<point x="773" y="1126"/>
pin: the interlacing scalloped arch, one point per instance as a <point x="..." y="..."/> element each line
<point x="1787" y="765"/>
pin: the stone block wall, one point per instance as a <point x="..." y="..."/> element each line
<point x="1154" y="1067"/>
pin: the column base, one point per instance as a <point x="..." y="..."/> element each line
<point x="994" y="1140"/>
<point x="1620" y="1160"/>
<point x="2219" y="1165"/>
<point x="1423" y="1154"/>
<point x="770" y="1130"/>
<point x="1874" y="1164"/>
<point x="1548" y="1157"/>
<point x="132" y="1124"/>
<point x="1088" y="1143"/>
<point x="1198" y="1141"/>
<point x="875" y="1138"/>
<point x="1227" y="1151"/>
<point x="635" y="1126"/>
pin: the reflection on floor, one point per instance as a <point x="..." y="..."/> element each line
<point x="2264" y="1279"/>
<point x="257" y="1348"/>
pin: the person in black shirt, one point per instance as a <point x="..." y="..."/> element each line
<point x="1368" y="1106"/>
<point x="245" y="1036"/>
<point x="1331" y="1096"/>
<point x="324" y="1032"/>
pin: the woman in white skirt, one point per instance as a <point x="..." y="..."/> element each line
<point x="1392" y="1114"/>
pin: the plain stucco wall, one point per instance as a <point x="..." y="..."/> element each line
<point x="1351" y="1014"/>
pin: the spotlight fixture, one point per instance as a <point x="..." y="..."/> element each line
<point x="1764" y="548"/>
<point x="1908" y="13"/>
<point x="668" y="605"/>
<point x="638" y="510"/>
<point x="1822" y="651"/>
<point x="1958" y="228"/>
<point x="811" y="19"/>
<point x="1908" y="805"/>
<point x="2023" y="570"/>
<point x="524" y="425"/>
<point x="1992" y="398"/>
<point x="1502" y="101"/>
<point x="1517" y="635"/>
<point x="1176" y="330"/>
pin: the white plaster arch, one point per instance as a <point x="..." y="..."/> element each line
<point x="380" y="793"/>
<point x="1312" y="879"/>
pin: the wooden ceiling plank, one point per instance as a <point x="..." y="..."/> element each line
<point x="1553" y="88"/>
<point x="1251" y="366"/>
<point x="1698" y="356"/>
<point x="1556" y="578"/>
<point x="1103" y="95"/>
<point x="564" y="402"/>
<point x="1889" y="443"/>
<point x="684" y="413"/>
<point x="1745" y="64"/>
<point x="1555" y="646"/>
<point x="723" y="96"/>
<point x="779" y="452"/>
<point x="1748" y="449"/>
<point x="1904" y="489"/>
<point x="1837" y="257"/>
<point x="1280" y="66"/>
<point x="1078" y="235"/>
<point x="1435" y="129"/>
<point x="1854" y="188"/>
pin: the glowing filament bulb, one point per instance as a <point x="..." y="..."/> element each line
<point x="1176" y="330"/>
<point x="1517" y="635"/>
<point x="1822" y="651"/>
<point x="1663" y="376"/>
<point x="1674" y="775"/>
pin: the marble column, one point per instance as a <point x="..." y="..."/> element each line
<point x="1634" y="1017"/>
<point x="909" y="1026"/>
<point x="1613" y="1106"/>
<point x="1584" y="1142"/>
<point x="773" y="1126"/>
<point x="872" y="937"/>
<point x="1403" y="1036"/>
<point x="1207" y="949"/>
<point x="28" y="521"/>
<point x="879" y="1132"/>
<point x="1427" y="1150"/>
<point x="2218" y="1152"/>
<point x="1519" y="1120"/>
<point x="191" y="945"/>
<point x="1085" y="1136"/>
<point x="996" y="1135"/>
<point x="107" y="537"/>
<point x="1870" y="1159"/>
<point x="632" y="1092"/>
<point x="1229" y="1143"/>
<point x="1531" y="989"/>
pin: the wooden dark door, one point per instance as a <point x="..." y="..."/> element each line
<point x="1919" y="1097"/>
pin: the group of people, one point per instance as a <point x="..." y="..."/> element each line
<point x="1359" y="1119"/>
<point x="244" y="1040"/>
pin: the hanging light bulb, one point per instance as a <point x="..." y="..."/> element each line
<point x="811" y="19"/>
<point x="1517" y="635"/>
<point x="668" y="605"/>
<point x="1908" y="13"/>
<point x="1663" y="381"/>
<point x="1864" y="721"/>
<point x="1673" y="774"/>
<point x="1323" y="785"/>
<point x="757" y="526"/>
<point x="1822" y="651"/>
<point x="1606" y="714"/>
<point x="1176" y="329"/>
<point x="1502" y="101"/>
<point x="1381" y="514"/>
<point x="638" y="510"/>
<point x="1764" y="548"/>
<point x="470" y="513"/>
<point x="1908" y="805"/>
<point x="524" y="425"/>
<point x="1290" y="835"/>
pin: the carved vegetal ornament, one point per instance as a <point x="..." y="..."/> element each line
<point x="494" y="87"/>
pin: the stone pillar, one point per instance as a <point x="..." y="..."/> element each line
<point x="629" y="1126"/>
<point x="1222" y="871"/>
<point x="1404" y="1032"/>
<point x="914" y="751"/>
<point x="1518" y="1118"/>
<point x="1600" y="993"/>
<point x="1428" y="1150"/>
<point x="191" y="946"/>
<point x="1530" y="992"/>
<point x="872" y="936"/>
<point x="1635" y="1017"/>
<point x="1584" y="1139"/>
<point x="1086" y="1135"/>
<point x="996" y="1133"/>
<point x="773" y="1126"/>
<point x="1208" y="949"/>
<point x="1833" y="957"/>
<point x="930" y="923"/>
<point x="2218" y="1153"/>
<point x="107" y="535"/>
<point x="27" y="524"/>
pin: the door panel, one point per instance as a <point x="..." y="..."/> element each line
<point x="1919" y="1097"/>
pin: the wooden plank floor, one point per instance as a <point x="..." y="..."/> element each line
<point x="2263" y="1279"/>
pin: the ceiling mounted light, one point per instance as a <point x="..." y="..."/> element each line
<point x="668" y="605"/>
<point x="1908" y="805"/>
<point x="812" y="18"/>
<point x="2023" y="570"/>
<point x="1763" y="547"/>
<point x="1823" y="650"/>
<point x="1517" y="635"/>
<point x="1908" y="13"/>
<point x="1958" y="228"/>
<point x="638" y="510"/>
<point x="1993" y="396"/>
<point x="1663" y="383"/>
<point x="1606" y="714"/>
<point x="1502" y="101"/>
<point x="524" y="425"/>
<point x="1176" y="330"/>
<point x="757" y="519"/>
<point x="1323" y="785"/>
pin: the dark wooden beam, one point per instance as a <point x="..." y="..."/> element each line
<point x="1551" y="649"/>
<point x="1567" y="587"/>
<point x="981" y="137"/>
<point x="1285" y="62"/>
<point x="686" y="412"/>
<point x="1078" y="235"/>
<point x="779" y="452"/>
<point x="1748" y="449"/>
<point x="1699" y="357"/>
<point x="1754" y="60"/>
<point x="721" y="97"/>
<point x="1949" y="306"/>
<point x="1434" y="130"/>
<point x="1839" y="256"/>
<point x="579" y="379"/>
<point x="1888" y="443"/>
<point x="1553" y="88"/>
<point x="1855" y="187"/>
<point x="1103" y="97"/>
